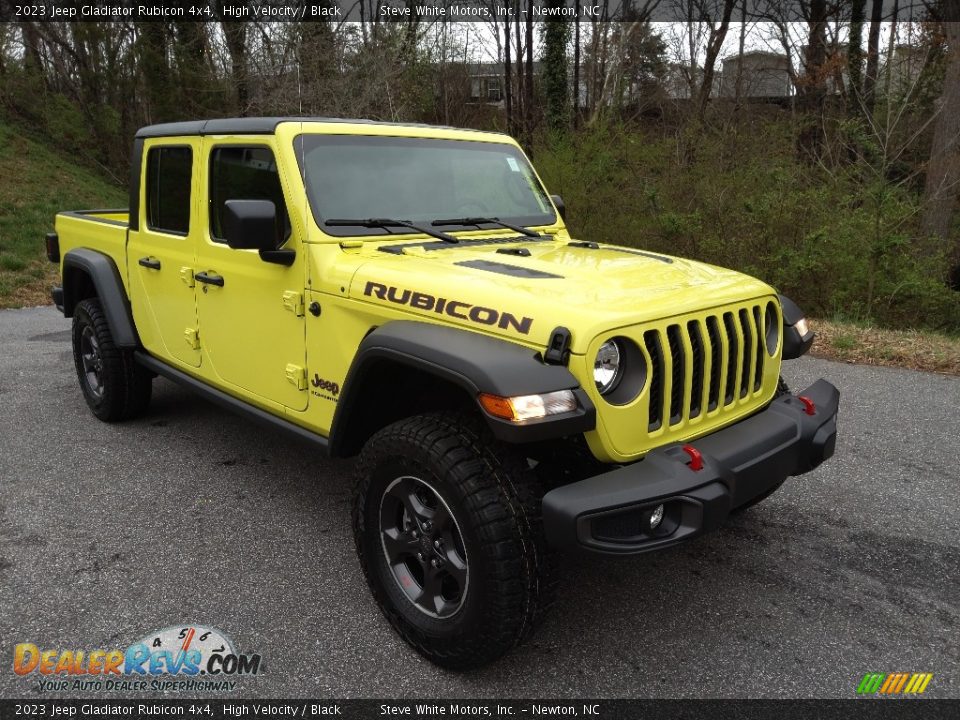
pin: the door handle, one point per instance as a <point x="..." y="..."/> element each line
<point x="149" y="262"/>
<point x="209" y="278"/>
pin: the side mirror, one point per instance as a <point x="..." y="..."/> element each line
<point x="561" y="208"/>
<point x="251" y="224"/>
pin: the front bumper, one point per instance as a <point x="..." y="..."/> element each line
<point x="610" y="513"/>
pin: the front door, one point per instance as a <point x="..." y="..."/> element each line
<point x="251" y="312"/>
<point x="161" y="251"/>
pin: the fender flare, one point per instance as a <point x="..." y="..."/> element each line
<point x="103" y="273"/>
<point x="794" y="345"/>
<point x="474" y="362"/>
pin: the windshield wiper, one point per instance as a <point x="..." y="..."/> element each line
<point x="388" y="223"/>
<point x="478" y="221"/>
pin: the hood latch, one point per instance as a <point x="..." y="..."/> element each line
<point x="558" y="350"/>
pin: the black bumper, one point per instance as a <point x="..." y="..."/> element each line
<point x="610" y="513"/>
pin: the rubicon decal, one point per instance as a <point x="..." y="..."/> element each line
<point x="453" y="308"/>
<point x="168" y="659"/>
<point x="894" y="683"/>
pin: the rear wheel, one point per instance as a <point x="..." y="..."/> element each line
<point x="447" y="528"/>
<point x="114" y="386"/>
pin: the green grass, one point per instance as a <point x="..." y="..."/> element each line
<point x="37" y="183"/>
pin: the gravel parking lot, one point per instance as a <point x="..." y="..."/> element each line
<point x="192" y="515"/>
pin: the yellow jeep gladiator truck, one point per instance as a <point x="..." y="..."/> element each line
<point x="411" y="295"/>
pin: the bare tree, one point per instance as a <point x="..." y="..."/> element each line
<point x="855" y="57"/>
<point x="707" y="12"/>
<point x="576" y="66"/>
<point x="873" y="55"/>
<point x="943" y="170"/>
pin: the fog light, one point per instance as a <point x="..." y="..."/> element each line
<point x="656" y="517"/>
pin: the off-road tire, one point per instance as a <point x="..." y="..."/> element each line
<point x="495" y="500"/>
<point x="121" y="389"/>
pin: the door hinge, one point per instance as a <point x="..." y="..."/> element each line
<point x="186" y="274"/>
<point x="192" y="336"/>
<point x="298" y="376"/>
<point x="293" y="301"/>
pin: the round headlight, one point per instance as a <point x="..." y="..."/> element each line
<point x="606" y="367"/>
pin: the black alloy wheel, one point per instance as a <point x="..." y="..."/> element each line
<point x="92" y="361"/>
<point x="423" y="547"/>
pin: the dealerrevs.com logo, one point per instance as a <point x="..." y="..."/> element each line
<point x="185" y="658"/>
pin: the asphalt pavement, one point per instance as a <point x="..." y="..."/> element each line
<point x="192" y="515"/>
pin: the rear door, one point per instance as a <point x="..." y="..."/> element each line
<point x="161" y="252"/>
<point x="251" y="311"/>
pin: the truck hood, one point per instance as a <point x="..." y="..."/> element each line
<point x="499" y="288"/>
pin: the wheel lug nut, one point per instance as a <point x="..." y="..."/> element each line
<point x="421" y="557"/>
<point x="415" y="534"/>
<point x="436" y="544"/>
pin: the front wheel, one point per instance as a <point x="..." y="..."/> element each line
<point x="447" y="528"/>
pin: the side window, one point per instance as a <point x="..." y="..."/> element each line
<point x="244" y="173"/>
<point x="169" y="172"/>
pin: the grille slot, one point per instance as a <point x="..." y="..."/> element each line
<point x="733" y="352"/>
<point x="749" y="349"/>
<point x="761" y="347"/>
<point x="713" y="333"/>
<point x="677" y="361"/>
<point x="651" y="339"/>
<point x="696" y="381"/>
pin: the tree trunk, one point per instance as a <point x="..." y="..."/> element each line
<point x="717" y="35"/>
<point x="576" y="67"/>
<point x="528" y="95"/>
<point x="813" y="82"/>
<point x="235" y="36"/>
<point x="520" y="98"/>
<point x="943" y="170"/>
<point x="855" y="57"/>
<point x="553" y="77"/>
<point x="152" y="50"/>
<point x="508" y="77"/>
<point x="873" y="56"/>
<point x="743" y="40"/>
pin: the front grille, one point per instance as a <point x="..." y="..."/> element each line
<point x="702" y="364"/>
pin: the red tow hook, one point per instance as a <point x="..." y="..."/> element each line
<point x="808" y="407"/>
<point x="696" y="459"/>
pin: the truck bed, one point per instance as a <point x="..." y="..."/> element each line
<point x="103" y="230"/>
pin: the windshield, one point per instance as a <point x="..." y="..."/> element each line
<point x="417" y="179"/>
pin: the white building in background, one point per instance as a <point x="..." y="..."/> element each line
<point x="763" y="75"/>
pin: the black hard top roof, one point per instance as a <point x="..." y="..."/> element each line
<point x="255" y="126"/>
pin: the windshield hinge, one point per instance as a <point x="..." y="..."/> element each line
<point x="558" y="349"/>
<point x="293" y="301"/>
